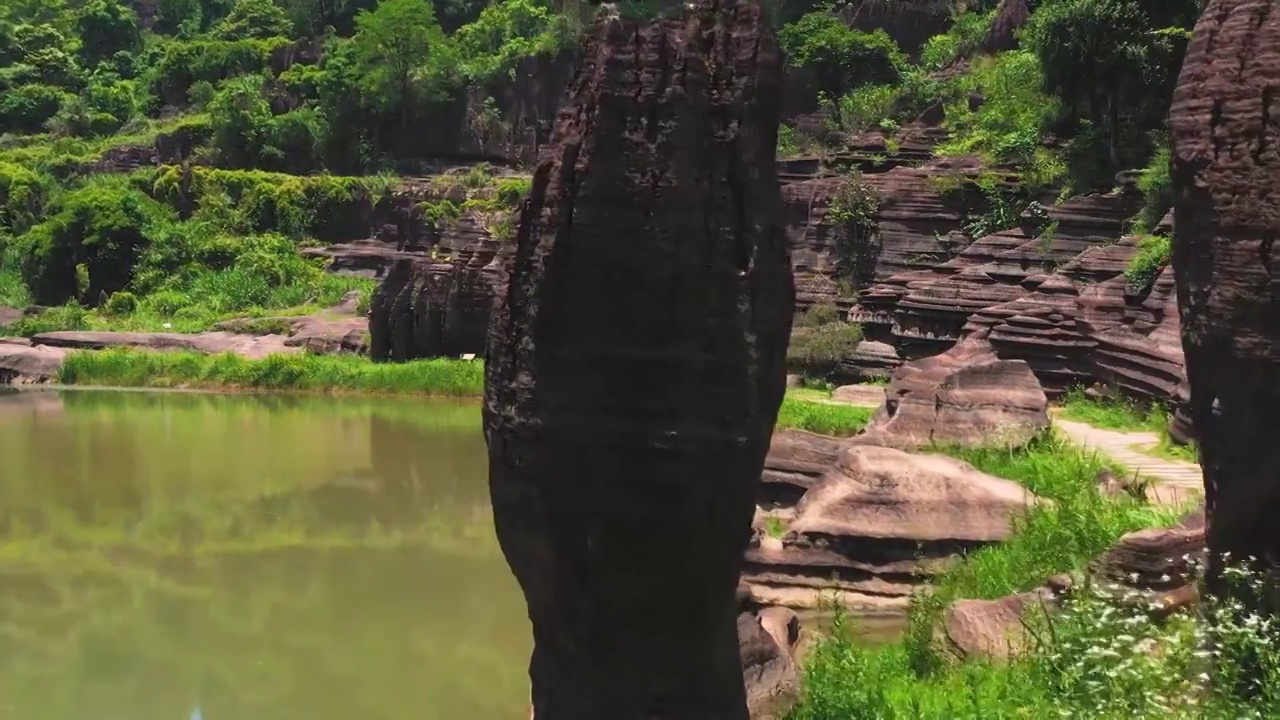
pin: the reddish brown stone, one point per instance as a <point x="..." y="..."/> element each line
<point x="1226" y="175"/>
<point x="636" y="362"/>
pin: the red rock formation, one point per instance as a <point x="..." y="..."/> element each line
<point x="966" y="396"/>
<point x="636" y="364"/>
<point x="1226" y="176"/>
<point x="878" y="524"/>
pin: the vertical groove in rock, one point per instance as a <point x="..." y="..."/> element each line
<point x="1226" y="175"/>
<point x="636" y="365"/>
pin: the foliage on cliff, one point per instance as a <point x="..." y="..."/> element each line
<point x="340" y="90"/>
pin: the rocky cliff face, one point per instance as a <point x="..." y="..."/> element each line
<point x="636" y="364"/>
<point x="1227" y="190"/>
<point x="1050" y="291"/>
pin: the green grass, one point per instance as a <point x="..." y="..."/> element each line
<point x="301" y="372"/>
<point x="1119" y="413"/>
<point x="1080" y="524"/>
<point x="124" y="367"/>
<point x="845" y="680"/>
<point x="823" y="418"/>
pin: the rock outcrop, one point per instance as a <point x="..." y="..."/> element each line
<point x="432" y="308"/>
<point x="1158" y="566"/>
<point x="1050" y="291"/>
<point x="879" y="524"/>
<point x="966" y="396"/>
<point x="635" y="367"/>
<point x="1226" y="177"/>
<point x="767" y="639"/>
<point x="23" y="364"/>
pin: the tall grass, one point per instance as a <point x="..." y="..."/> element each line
<point x="911" y="679"/>
<point x="126" y="367"/>
<point x="824" y="418"/>
<point x="301" y="372"/>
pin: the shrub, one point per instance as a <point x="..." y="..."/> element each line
<point x="22" y="197"/>
<point x="819" y="342"/>
<point x="1011" y="120"/>
<point x="1151" y="260"/>
<point x="106" y="27"/>
<point x="28" y="107"/>
<point x="965" y="36"/>
<point x="104" y="226"/>
<point x="181" y="64"/>
<point x="863" y="108"/>
<point x="121" y="303"/>
<point x="1157" y="190"/>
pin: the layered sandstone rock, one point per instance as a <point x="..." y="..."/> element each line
<point x="1050" y="291"/>
<point x="966" y="396"/>
<point x="1226" y="177"/>
<point x="1157" y="567"/>
<point x="767" y="639"/>
<point x="23" y="364"/>
<point x="880" y="523"/>
<point x="425" y="308"/>
<point x="636" y="364"/>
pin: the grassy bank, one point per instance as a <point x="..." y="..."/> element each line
<point x="122" y="367"/>
<point x="1120" y="413"/>
<point x="301" y="372"/>
<point x="911" y="679"/>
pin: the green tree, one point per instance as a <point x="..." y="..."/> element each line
<point x="254" y="19"/>
<point x="505" y="32"/>
<point x="392" y="47"/>
<point x="1113" y="63"/>
<point x="106" y="27"/>
<point x="840" y="57"/>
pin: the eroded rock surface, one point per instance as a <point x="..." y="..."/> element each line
<point x="431" y="308"/>
<point x="21" y="363"/>
<point x="879" y="524"/>
<point x="767" y="639"/>
<point x="636" y="364"/>
<point x="1226" y="177"/>
<point x="967" y="396"/>
<point x="1157" y="565"/>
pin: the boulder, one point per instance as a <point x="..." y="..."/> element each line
<point x="796" y="461"/>
<point x="966" y="396"/>
<point x="1157" y="566"/>
<point x="767" y="641"/>
<point x="879" y="524"/>
<point x="9" y="316"/>
<point x="1226" y="181"/>
<point x="993" y="629"/>
<point x="21" y="363"/>
<point x="636" y="363"/>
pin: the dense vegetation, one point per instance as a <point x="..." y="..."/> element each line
<point x="339" y="92"/>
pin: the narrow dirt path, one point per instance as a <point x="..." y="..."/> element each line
<point x="1174" y="481"/>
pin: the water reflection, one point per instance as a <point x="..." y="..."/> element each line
<point x="256" y="558"/>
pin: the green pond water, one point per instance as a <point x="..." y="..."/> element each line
<point x="258" y="558"/>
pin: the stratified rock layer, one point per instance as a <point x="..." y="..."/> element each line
<point x="966" y="396"/>
<point x="878" y="524"/>
<point x="1226" y="175"/>
<point x="636" y="364"/>
<point x="425" y="308"/>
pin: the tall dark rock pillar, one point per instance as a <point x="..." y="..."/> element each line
<point x="636" y="365"/>
<point x="1225" y="123"/>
